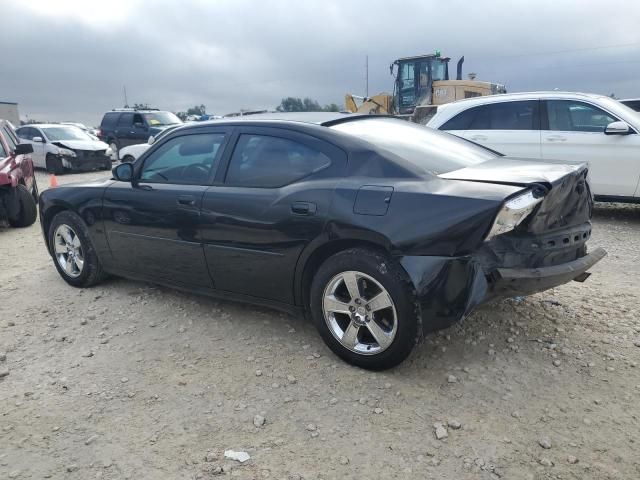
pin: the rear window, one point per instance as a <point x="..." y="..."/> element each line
<point x="432" y="151"/>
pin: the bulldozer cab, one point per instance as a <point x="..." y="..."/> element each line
<point x="414" y="79"/>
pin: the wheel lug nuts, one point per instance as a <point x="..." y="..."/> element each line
<point x="352" y="309"/>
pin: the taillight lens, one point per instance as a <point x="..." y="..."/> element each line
<point x="514" y="212"/>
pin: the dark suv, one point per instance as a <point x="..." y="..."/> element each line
<point x="123" y="127"/>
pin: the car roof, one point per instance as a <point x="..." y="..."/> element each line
<point x="46" y="125"/>
<point x="317" y="118"/>
<point x="502" y="97"/>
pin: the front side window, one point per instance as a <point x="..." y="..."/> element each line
<point x="189" y="159"/>
<point x="3" y="152"/>
<point x="269" y="162"/>
<point x="572" y="116"/>
<point x="25" y="133"/>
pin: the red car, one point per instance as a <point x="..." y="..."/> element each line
<point x="18" y="188"/>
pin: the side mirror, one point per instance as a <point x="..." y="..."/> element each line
<point x="617" y="128"/>
<point x="151" y="140"/>
<point x="123" y="172"/>
<point x="23" y="149"/>
<point x="37" y="139"/>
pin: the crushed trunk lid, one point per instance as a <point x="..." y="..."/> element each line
<point x="567" y="197"/>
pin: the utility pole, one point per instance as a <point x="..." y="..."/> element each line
<point x="124" y="91"/>
<point x="366" y="68"/>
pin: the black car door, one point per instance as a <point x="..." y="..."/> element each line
<point x="270" y="201"/>
<point x="124" y="129"/>
<point x="152" y="223"/>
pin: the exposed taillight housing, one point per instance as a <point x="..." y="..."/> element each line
<point x="514" y="211"/>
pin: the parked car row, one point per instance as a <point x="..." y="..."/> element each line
<point x="568" y="127"/>
<point x="18" y="187"/>
<point x="376" y="228"/>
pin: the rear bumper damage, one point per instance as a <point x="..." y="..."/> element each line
<point x="449" y="288"/>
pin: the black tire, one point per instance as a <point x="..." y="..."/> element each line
<point x="107" y="166"/>
<point x="54" y="165"/>
<point x="27" y="208"/>
<point x="390" y="275"/>
<point x="92" y="272"/>
<point x="128" y="159"/>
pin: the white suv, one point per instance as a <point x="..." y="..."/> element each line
<point x="556" y="125"/>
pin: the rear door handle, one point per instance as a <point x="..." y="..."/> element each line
<point x="188" y="200"/>
<point x="479" y="138"/>
<point x="556" y="138"/>
<point x="303" y="208"/>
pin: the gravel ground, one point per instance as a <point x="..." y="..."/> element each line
<point x="132" y="381"/>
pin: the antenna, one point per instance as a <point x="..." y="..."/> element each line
<point x="124" y="91"/>
<point x="366" y="68"/>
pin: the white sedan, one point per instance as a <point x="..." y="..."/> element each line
<point x="132" y="152"/>
<point x="574" y="127"/>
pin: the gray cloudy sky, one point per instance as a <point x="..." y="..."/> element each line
<point x="68" y="59"/>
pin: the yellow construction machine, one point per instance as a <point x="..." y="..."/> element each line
<point x="421" y="83"/>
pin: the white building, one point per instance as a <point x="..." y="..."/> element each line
<point x="9" y="111"/>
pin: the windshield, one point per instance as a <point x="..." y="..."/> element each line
<point x="432" y="151"/>
<point x="55" y="134"/>
<point x="157" y="119"/>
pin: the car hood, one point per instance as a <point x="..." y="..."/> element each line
<point x="93" y="145"/>
<point x="515" y="171"/>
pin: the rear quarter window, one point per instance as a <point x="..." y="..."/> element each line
<point x="110" y="120"/>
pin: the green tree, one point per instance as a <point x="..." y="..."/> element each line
<point x="293" y="104"/>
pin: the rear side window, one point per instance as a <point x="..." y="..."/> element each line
<point x="269" y="162"/>
<point x="497" y="116"/>
<point x="110" y="120"/>
<point x="572" y="116"/>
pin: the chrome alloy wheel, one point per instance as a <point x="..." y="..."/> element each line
<point x="359" y="313"/>
<point x="68" y="250"/>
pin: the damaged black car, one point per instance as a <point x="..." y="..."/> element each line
<point x="379" y="230"/>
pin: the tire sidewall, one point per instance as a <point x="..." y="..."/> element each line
<point x="92" y="270"/>
<point x="390" y="275"/>
<point x="27" y="208"/>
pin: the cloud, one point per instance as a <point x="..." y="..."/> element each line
<point x="68" y="60"/>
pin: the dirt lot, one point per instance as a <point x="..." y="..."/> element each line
<point x="131" y="381"/>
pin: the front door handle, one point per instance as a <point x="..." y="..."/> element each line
<point x="188" y="200"/>
<point x="303" y="208"/>
<point x="556" y="138"/>
<point x="479" y="138"/>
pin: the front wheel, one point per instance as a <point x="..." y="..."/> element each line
<point x="363" y="307"/>
<point x="73" y="253"/>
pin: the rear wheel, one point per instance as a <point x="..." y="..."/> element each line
<point x="54" y="164"/>
<point x="73" y="253"/>
<point x="27" y="211"/>
<point x="363" y="306"/>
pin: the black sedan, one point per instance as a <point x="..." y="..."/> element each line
<point x="378" y="229"/>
